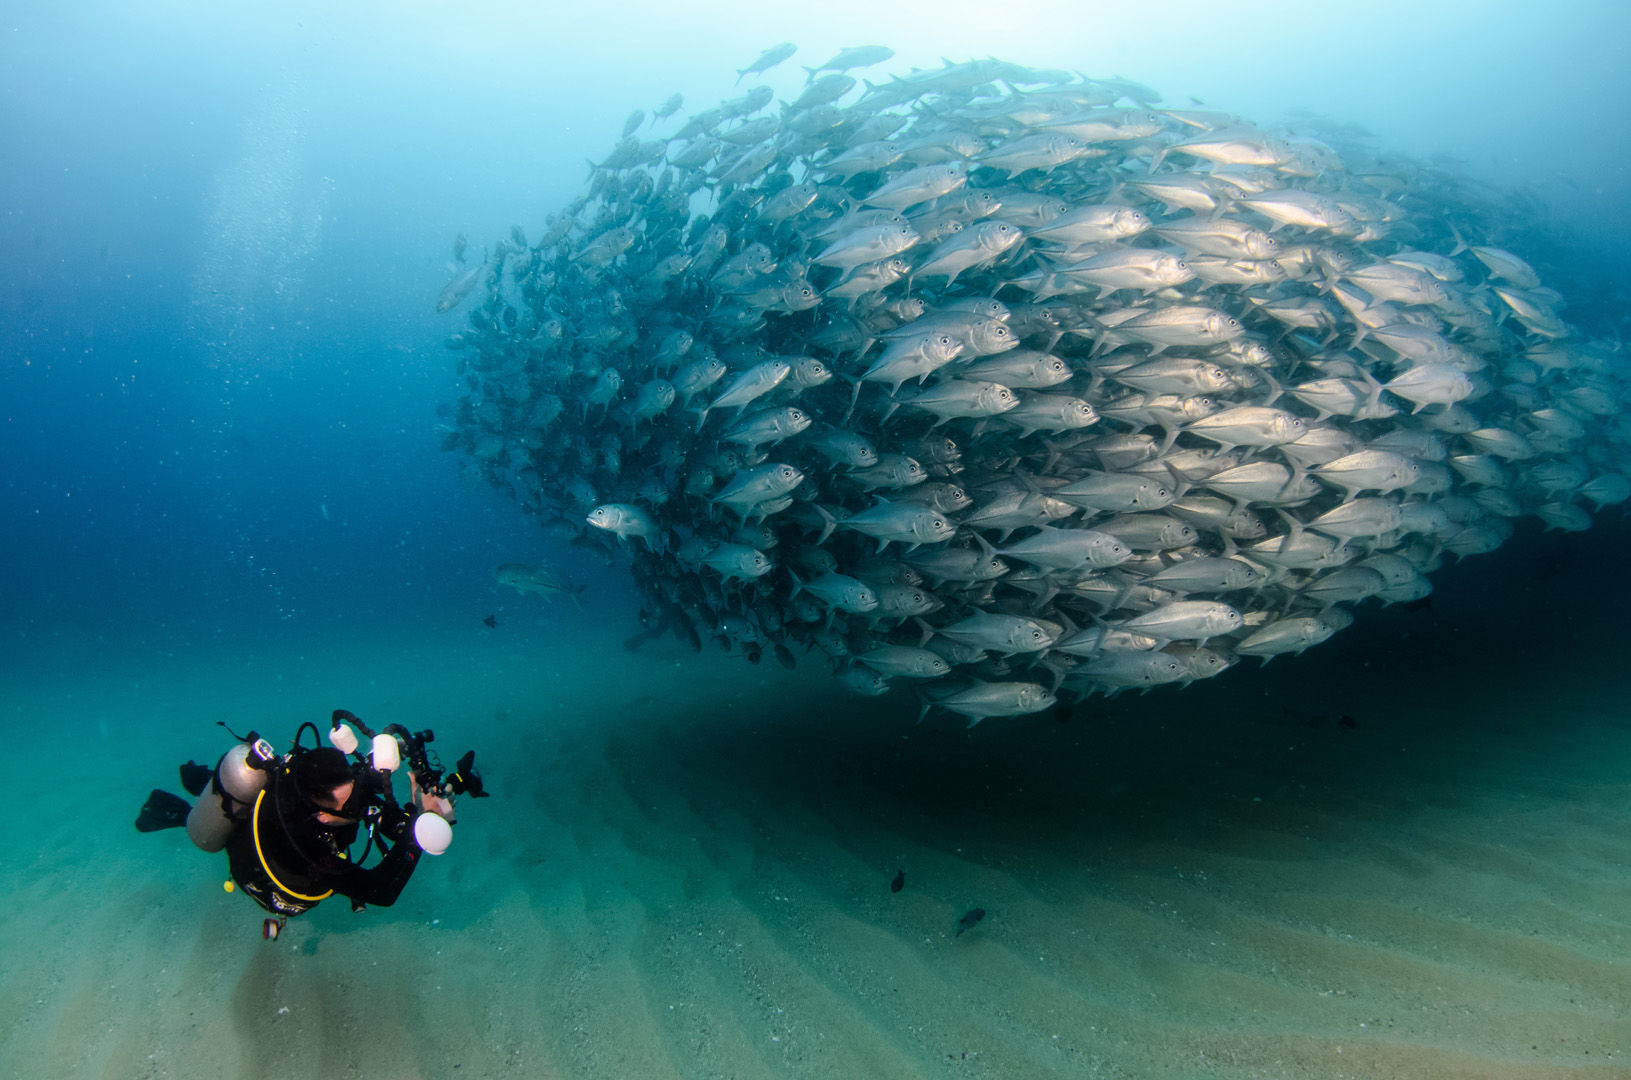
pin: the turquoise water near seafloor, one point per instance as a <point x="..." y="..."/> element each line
<point x="685" y="868"/>
<point x="1406" y="853"/>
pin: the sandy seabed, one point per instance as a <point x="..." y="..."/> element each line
<point x="685" y="872"/>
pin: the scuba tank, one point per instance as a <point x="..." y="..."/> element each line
<point x="239" y="777"/>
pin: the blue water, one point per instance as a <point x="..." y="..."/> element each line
<point x="223" y="227"/>
<point x="222" y="230"/>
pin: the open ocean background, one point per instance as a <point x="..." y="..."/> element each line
<point x="222" y="231"/>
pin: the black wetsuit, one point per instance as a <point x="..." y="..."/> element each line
<point x="287" y="860"/>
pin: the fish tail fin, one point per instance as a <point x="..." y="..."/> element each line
<point x="1057" y="670"/>
<point x="854" y="398"/>
<point x="829" y="522"/>
<point x="1180" y="482"/>
<point x="1054" y="453"/>
<point x="1460" y="242"/>
<point x="928" y="631"/>
<point x="894" y="404"/>
<point x="1373" y="390"/>
<point x="1275" y="389"/>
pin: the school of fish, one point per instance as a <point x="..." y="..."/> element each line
<point x="1010" y="384"/>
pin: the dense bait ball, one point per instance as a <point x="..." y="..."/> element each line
<point x="1011" y="384"/>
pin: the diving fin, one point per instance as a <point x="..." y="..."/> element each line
<point x="195" y="777"/>
<point x="162" y="810"/>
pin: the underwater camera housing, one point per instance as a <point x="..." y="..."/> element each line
<point x="422" y="762"/>
<point x="428" y="771"/>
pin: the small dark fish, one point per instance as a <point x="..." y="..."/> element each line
<point x="784" y="655"/>
<point x="969" y="921"/>
<point x="490" y="621"/>
<point x="459" y="244"/>
<point x="900" y="883"/>
<point x="1424" y="604"/>
<point x="1348" y="722"/>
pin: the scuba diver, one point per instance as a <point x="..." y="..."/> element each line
<point x="288" y="822"/>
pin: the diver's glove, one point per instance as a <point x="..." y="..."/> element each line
<point x="389" y="822"/>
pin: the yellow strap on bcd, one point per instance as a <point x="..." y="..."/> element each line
<point x="255" y="829"/>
